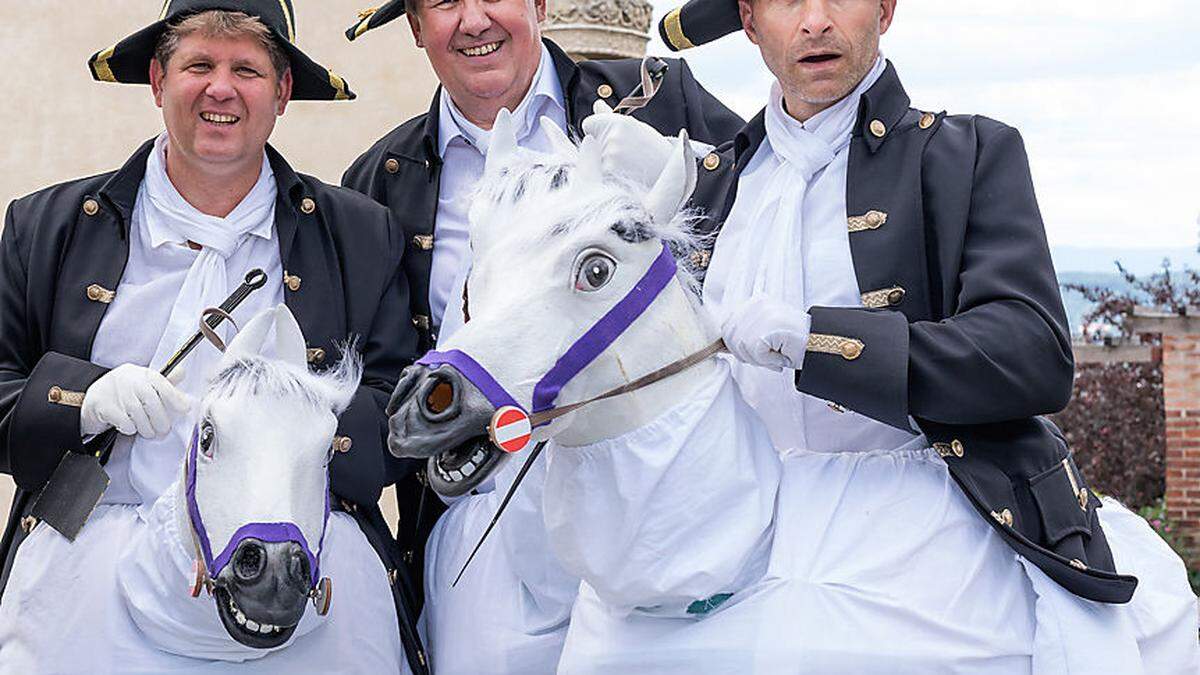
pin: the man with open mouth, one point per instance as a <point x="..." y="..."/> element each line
<point x="103" y="278"/>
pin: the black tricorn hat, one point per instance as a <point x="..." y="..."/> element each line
<point x="376" y="17"/>
<point x="698" y="22"/>
<point x="128" y="61"/>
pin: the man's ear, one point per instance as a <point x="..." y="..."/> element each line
<point x="157" y="73"/>
<point x="539" y="7"/>
<point x="414" y="24"/>
<point x="746" y="12"/>
<point x="886" y="14"/>
<point x="285" y="91"/>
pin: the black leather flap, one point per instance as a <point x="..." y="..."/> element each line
<point x="1058" y="495"/>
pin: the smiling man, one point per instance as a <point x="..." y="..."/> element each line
<point x="102" y="279"/>
<point x="489" y="55"/>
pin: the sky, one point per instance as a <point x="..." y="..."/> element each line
<point x="1105" y="93"/>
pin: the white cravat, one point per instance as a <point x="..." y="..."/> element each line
<point x="164" y="288"/>
<point x="786" y="238"/>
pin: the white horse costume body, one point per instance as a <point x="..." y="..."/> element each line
<point x="701" y="548"/>
<point x="116" y="599"/>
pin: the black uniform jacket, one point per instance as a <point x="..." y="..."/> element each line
<point x="64" y="250"/>
<point x="962" y="326"/>
<point x="403" y="171"/>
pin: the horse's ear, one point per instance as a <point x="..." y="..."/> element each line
<point x="289" y="339"/>
<point x="591" y="164"/>
<point x="502" y="148"/>
<point x="674" y="185"/>
<point x="559" y="142"/>
<point x="249" y="340"/>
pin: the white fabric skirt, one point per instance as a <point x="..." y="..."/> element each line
<point x="880" y="565"/>
<point x="64" y="612"/>
<point x="509" y="612"/>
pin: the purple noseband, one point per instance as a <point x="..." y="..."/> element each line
<point x="581" y="353"/>
<point x="265" y="532"/>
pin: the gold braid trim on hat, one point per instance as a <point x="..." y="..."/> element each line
<point x="338" y="83"/>
<point x="675" y="30"/>
<point x="288" y="18"/>
<point x="100" y="63"/>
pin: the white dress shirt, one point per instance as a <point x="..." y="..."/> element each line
<point x="786" y="237"/>
<point x="463" y="148"/>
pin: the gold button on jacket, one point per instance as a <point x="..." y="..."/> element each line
<point x="391" y="166"/>
<point x="711" y="161"/>
<point x="91" y="207"/>
<point x="604" y="90"/>
<point x="878" y="128"/>
<point x="307" y="205"/>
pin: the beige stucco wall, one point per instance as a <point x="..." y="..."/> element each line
<point x="60" y="124"/>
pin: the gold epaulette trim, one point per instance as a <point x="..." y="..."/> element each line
<point x="871" y="220"/>
<point x="880" y="298"/>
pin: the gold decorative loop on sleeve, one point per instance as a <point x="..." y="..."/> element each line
<point x="847" y="348"/>
<point x="884" y="297"/>
<point x="60" y="396"/>
<point x="871" y="220"/>
<point x="675" y="31"/>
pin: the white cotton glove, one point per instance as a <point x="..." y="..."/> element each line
<point x="134" y="400"/>
<point x="632" y="148"/>
<point x="767" y="332"/>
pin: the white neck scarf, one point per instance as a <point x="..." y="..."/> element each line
<point x="804" y="150"/>
<point x="207" y="282"/>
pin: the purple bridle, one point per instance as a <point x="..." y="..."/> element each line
<point x="581" y="352"/>
<point x="266" y="532"/>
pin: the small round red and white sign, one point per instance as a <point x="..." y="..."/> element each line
<point x="510" y="429"/>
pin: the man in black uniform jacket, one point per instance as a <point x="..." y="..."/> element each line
<point x="960" y="325"/>
<point x="488" y="56"/>
<point x="333" y="256"/>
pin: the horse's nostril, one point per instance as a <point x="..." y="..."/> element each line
<point x="249" y="561"/>
<point x="440" y="397"/>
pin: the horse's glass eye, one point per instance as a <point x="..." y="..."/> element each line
<point x="208" y="436"/>
<point x="595" y="271"/>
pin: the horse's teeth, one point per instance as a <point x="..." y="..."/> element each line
<point x="251" y="625"/>
<point x="467" y="470"/>
<point x="456" y="475"/>
<point x="478" y="456"/>
<point x="239" y="617"/>
<point x="267" y="628"/>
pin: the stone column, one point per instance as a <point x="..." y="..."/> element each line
<point x="600" y="29"/>
<point x="1181" y="402"/>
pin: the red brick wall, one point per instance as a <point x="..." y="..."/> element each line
<point x="1181" y="399"/>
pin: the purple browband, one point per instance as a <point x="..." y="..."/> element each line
<point x="581" y="353"/>
<point x="265" y="532"/>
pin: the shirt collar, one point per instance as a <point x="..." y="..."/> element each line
<point x="161" y="234"/>
<point x="544" y="97"/>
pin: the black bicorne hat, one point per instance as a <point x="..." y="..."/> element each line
<point x="128" y="61"/>
<point x="374" y="18"/>
<point x="698" y="22"/>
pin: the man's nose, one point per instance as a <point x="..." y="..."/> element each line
<point x="816" y="17"/>
<point x="475" y="18"/>
<point x="221" y="85"/>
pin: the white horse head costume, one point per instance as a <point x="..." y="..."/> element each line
<point x="252" y="503"/>
<point x="573" y="279"/>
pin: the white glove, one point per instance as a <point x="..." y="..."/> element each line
<point x="135" y="400"/>
<point x="767" y="332"/>
<point x="632" y="149"/>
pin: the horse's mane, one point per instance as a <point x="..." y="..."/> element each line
<point x="544" y="181"/>
<point x="331" y="389"/>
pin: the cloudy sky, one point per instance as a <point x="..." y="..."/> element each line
<point x="1106" y="94"/>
